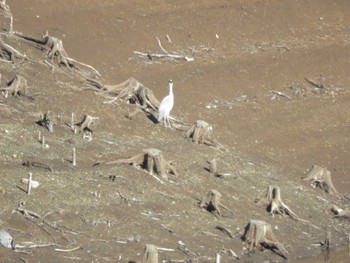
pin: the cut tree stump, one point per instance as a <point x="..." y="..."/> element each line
<point x="151" y="160"/>
<point x="85" y="124"/>
<point x="45" y="120"/>
<point x="202" y="133"/>
<point x="213" y="170"/>
<point x="275" y="204"/>
<point x="259" y="235"/>
<point x="322" y="178"/>
<point x="212" y="202"/>
<point x="150" y="254"/>
<point x="17" y="87"/>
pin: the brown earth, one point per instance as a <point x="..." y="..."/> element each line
<point x="244" y="52"/>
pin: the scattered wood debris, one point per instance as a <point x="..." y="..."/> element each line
<point x="45" y="120"/>
<point x="201" y="132"/>
<point x="322" y="178"/>
<point x="259" y="235"/>
<point x="151" y="160"/>
<point x="275" y="204"/>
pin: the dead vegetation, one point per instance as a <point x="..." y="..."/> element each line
<point x="212" y="202"/>
<point x="339" y="212"/>
<point x="320" y="177"/>
<point x="17" y="87"/>
<point x="46" y="121"/>
<point x="260" y="236"/>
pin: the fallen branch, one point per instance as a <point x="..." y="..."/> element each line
<point x="165" y="54"/>
<point x="37" y="164"/>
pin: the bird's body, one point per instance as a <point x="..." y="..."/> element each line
<point x="166" y="106"/>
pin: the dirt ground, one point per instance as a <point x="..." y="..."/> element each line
<point x="248" y="79"/>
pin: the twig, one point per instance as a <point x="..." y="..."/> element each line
<point x="315" y="84"/>
<point x="35" y="245"/>
<point x="26" y="212"/>
<point x="67" y="250"/>
<point x="226" y="231"/>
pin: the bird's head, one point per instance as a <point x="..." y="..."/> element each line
<point x="170" y="81"/>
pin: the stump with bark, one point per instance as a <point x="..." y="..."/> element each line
<point x="260" y="236"/>
<point x="321" y="177"/>
<point x="151" y="160"/>
<point x="214" y="171"/>
<point x="45" y="120"/>
<point x="201" y="132"/>
<point x="17" y="87"/>
<point x="275" y="204"/>
<point x="150" y="254"/>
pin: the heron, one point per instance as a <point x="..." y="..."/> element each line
<point x="166" y="106"/>
<point x="6" y="239"/>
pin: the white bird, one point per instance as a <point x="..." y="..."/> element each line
<point x="166" y="106"/>
<point x="6" y="239"/>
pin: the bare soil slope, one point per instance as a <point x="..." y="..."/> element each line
<point x="247" y="79"/>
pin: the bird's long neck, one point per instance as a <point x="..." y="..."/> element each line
<point x="171" y="89"/>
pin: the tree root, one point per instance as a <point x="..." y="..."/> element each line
<point x="202" y="132"/>
<point x="259" y="235"/>
<point x="17" y="87"/>
<point x="321" y="177"/>
<point x="275" y="204"/>
<point x="46" y="121"/>
<point x="55" y="50"/>
<point x="37" y="164"/>
<point x="9" y="53"/>
<point x="151" y="160"/>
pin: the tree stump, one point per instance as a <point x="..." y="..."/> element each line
<point x="321" y="177"/>
<point x="259" y="235"/>
<point x="46" y="121"/>
<point x="17" y="87"/>
<point x="275" y="204"/>
<point x="150" y="254"/>
<point x="202" y="133"/>
<point x="212" y="202"/>
<point x="213" y="170"/>
<point x="151" y="160"/>
<point x="86" y="123"/>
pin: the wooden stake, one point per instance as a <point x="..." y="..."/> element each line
<point x="39" y="136"/>
<point x="72" y="122"/>
<point x="217" y="258"/>
<point x="29" y="183"/>
<point x="74" y="160"/>
<point x="43" y="140"/>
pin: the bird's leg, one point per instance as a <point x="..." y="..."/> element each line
<point x="167" y="122"/>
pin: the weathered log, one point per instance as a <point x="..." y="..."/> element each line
<point x="259" y="235"/>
